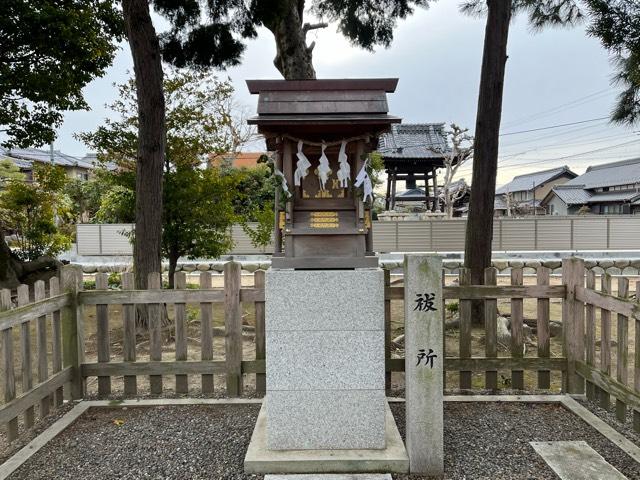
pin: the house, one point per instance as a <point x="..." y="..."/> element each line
<point x="609" y="189"/>
<point x="524" y="194"/>
<point x="237" y="160"/>
<point x="25" y="158"/>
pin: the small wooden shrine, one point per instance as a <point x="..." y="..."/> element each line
<point x="321" y="132"/>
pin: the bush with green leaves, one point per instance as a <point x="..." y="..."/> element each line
<point x="35" y="212"/>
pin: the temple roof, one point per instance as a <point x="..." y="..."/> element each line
<point x="414" y="141"/>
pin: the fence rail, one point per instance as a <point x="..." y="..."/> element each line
<point x="219" y="332"/>
<point x="550" y="233"/>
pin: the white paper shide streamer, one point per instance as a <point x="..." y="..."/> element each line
<point x="285" y="187"/>
<point x="302" y="165"/>
<point x="344" y="172"/>
<point x="323" y="169"/>
<point x="364" y="180"/>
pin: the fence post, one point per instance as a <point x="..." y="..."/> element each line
<point x="258" y="283"/>
<point x="71" y="330"/>
<point x="387" y="328"/>
<point x="573" y="323"/>
<point x="636" y="363"/>
<point x="233" y="328"/>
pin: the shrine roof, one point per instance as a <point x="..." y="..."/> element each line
<point x="359" y="105"/>
<point x="344" y="84"/>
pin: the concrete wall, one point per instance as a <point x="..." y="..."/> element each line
<point x="549" y="233"/>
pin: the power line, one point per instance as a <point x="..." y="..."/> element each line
<point x="572" y="104"/>
<point x="553" y="126"/>
<point x="501" y="164"/>
<point x="610" y="147"/>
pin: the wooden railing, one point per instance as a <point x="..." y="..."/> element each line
<point x="598" y="368"/>
<point x="20" y="323"/>
<point x="198" y="340"/>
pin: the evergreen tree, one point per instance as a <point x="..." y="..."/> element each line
<point x="211" y="34"/>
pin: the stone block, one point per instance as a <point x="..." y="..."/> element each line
<point x="259" y="459"/>
<point x="329" y="360"/>
<point x="326" y="419"/>
<point x="331" y="476"/>
<point x="324" y="299"/>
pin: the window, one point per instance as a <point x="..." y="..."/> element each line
<point x="612" y="209"/>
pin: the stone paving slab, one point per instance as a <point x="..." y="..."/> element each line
<point x="576" y="461"/>
<point x="366" y="476"/>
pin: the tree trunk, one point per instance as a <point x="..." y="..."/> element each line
<point x="173" y="262"/>
<point x="477" y="255"/>
<point x="14" y="271"/>
<point x="294" y="59"/>
<point x="145" y="50"/>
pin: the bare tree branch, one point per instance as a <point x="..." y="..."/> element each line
<point x="313" y="26"/>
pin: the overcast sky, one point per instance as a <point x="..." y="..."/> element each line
<point x="554" y="77"/>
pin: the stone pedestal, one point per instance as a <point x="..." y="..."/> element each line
<point x="325" y="359"/>
<point x="325" y="408"/>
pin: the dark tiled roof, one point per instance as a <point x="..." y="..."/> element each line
<point x="609" y="174"/>
<point x="28" y="155"/>
<point x="414" y="141"/>
<point x="530" y="181"/>
<point x="572" y="194"/>
<point x="614" y="197"/>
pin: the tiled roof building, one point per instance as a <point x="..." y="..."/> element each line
<point x="611" y="188"/>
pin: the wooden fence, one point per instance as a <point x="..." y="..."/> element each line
<point x="160" y="359"/>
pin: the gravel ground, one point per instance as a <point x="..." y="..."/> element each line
<point x="482" y="441"/>
<point x="175" y="442"/>
<point x="25" y="436"/>
<point x="491" y="440"/>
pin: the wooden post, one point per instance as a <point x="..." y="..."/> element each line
<point x="605" y="342"/>
<point x="393" y="188"/>
<point x="590" y="327"/>
<point x="424" y="332"/>
<point x="182" y="381"/>
<point x="129" y="328"/>
<point x="155" y="333"/>
<point x="543" y="310"/>
<point x="233" y="328"/>
<point x="465" y="330"/>
<point x="573" y="323"/>
<point x="39" y="293"/>
<point x="71" y="330"/>
<point x="491" y="329"/>
<point x="206" y="332"/>
<point x="56" y="341"/>
<point x="258" y="283"/>
<point x="7" y="365"/>
<point x="622" y="357"/>
<point x="636" y="365"/>
<point x="25" y="355"/>
<point x="517" y="334"/>
<point x="102" y="334"/>
<point x="387" y="329"/>
<point x="277" y="233"/>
